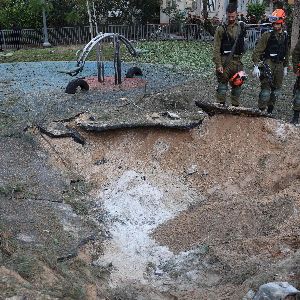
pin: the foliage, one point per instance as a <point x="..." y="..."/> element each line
<point x="256" y="9"/>
<point x="175" y="15"/>
<point x="67" y="13"/>
<point x="150" y="11"/>
<point x="127" y="12"/>
<point x="28" y="13"/>
<point x="289" y="18"/>
<point x="21" y="13"/>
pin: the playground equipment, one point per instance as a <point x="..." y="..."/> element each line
<point x="96" y="42"/>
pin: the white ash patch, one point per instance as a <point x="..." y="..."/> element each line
<point x="281" y="131"/>
<point x="136" y="206"/>
<point x="278" y="131"/>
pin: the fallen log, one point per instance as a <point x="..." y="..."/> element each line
<point x="215" y="108"/>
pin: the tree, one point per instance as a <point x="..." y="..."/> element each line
<point x="67" y="13"/>
<point x="256" y="9"/>
<point x="149" y="10"/>
<point x="296" y="24"/>
<point x="127" y="12"/>
<point x="26" y="14"/>
<point x="175" y="15"/>
<point x="204" y="9"/>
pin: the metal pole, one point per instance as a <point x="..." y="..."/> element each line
<point x="45" y="30"/>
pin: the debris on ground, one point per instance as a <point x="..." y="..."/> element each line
<point x="144" y="211"/>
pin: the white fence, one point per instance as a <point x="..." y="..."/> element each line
<point x="28" y="38"/>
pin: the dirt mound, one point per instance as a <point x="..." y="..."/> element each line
<point x="109" y="83"/>
<point x="202" y="214"/>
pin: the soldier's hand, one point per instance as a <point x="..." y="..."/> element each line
<point x="256" y="72"/>
<point x="220" y="70"/>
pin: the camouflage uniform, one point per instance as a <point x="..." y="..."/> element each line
<point x="296" y="61"/>
<point x="270" y="91"/>
<point x="233" y="65"/>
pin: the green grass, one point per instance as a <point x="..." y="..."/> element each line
<point x="194" y="56"/>
<point x="179" y="53"/>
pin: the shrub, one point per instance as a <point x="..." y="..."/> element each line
<point x="257" y="9"/>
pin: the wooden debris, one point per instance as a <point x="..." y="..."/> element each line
<point x="216" y="108"/>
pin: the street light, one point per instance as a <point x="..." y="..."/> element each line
<point x="45" y="30"/>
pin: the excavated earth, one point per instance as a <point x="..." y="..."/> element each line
<point x="144" y="197"/>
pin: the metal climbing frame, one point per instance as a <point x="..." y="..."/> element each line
<point x="96" y="41"/>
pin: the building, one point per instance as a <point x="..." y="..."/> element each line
<point x="215" y="8"/>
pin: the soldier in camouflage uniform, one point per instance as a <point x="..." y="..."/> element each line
<point x="296" y="69"/>
<point x="228" y="62"/>
<point x="272" y="49"/>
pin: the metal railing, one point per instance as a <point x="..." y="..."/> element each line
<point x="253" y="34"/>
<point x="28" y="38"/>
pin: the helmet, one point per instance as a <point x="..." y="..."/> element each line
<point x="278" y="16"/>
<point x="238" y="78"/>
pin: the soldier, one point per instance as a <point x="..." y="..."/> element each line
<point x="272" y="49"/>
<point x="296" y="69"/>
<point x="228" y="50"/>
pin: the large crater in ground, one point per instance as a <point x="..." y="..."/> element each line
<point x="206" y="213"/>
<point x="148" y="213"/>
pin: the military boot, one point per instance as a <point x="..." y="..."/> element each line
<point x="270" y="109"/>
<point x="221" y="93"/>
<point x="263" y="100"/>
<point x="295" y="119"/>
<point x="235" y="96"/>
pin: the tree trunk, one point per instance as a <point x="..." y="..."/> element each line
<point x="214" y="108"/>
<point x="204" y="9"/>
<point x="90" y="18"/>
<point x="296" y="24"/>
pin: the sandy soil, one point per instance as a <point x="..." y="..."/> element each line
<point x="202" y="214"/>
<point x="109" y="83"/>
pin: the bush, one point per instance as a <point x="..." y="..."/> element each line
<point x="256" y="9"/>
